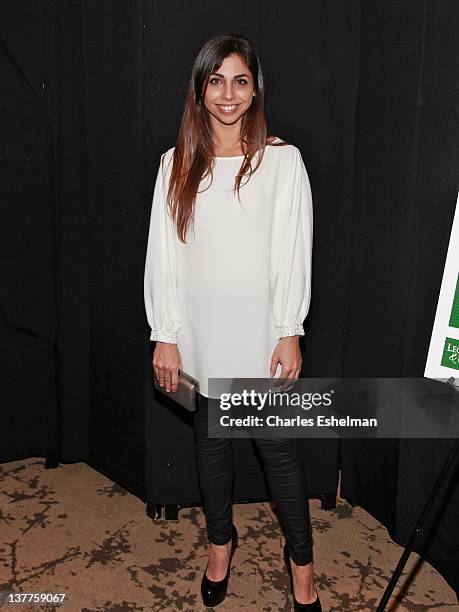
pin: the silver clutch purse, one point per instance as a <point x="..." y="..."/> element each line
<point x="186" y="391"/>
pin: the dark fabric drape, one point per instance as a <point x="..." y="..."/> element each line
<point x="28" y="254"/>
<point x="93" y="94"/>
<point x="74" y="233"/>
<point x="405" y="192"/>
<point x="112" y="42"/>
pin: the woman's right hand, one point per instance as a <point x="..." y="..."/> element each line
<point x="166" y="364"/>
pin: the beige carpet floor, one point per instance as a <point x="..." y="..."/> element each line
<point x="71" y="530"/>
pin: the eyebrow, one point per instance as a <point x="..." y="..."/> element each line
<point x="237" y="76"/>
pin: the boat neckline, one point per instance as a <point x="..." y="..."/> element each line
<point x="277" y="139"/>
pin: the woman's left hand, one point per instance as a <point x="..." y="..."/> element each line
<point x="288" y="354"/>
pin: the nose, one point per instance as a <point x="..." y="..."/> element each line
<point x="228" y="95"/>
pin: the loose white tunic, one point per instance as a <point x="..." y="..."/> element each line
<point x="243" y="279"/>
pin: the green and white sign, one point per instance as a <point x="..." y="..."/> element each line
<point x="450" y="358"/>
<point x="443" y="357"/>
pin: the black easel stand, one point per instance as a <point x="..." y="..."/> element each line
<point x="421" y="520"/>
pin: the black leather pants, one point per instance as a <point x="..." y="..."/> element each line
<point x="285" y="477"/>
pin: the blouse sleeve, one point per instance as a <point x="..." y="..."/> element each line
<point x="292" y="250"/>
<point x="160" y="278"/>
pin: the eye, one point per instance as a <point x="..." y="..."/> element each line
<point x="215" y="80"/>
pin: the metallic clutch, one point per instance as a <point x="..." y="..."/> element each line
<point x="186" y="391"/>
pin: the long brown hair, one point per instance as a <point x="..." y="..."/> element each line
<point x="193" y="153"/>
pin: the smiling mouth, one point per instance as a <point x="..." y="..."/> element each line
<point x="227" y="108"/>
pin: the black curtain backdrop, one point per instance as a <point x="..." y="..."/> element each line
<point x="29" y="237"/>
<point x="405" y="188"/>
<point x="92" y="95"/>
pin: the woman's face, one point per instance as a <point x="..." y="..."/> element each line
<point x="229" y="90"/>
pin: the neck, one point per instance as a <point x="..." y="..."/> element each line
<point x="226" y="137"/>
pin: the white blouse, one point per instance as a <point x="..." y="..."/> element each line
<point x="243" y="279"/>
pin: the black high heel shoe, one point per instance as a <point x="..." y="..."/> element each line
<point x="313" y="606"/>
<point x="214" y="592"/>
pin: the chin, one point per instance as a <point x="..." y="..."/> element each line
<point x="231" y="118"/>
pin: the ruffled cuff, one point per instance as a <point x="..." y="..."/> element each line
<point x="290" y="330"/>
<point x="164" y="335"/>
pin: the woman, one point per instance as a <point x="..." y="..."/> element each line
<point x="227" y="285"/>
